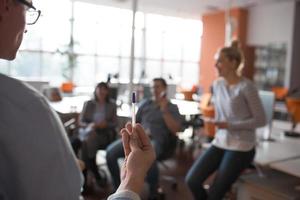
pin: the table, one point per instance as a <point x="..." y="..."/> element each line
<point x="283" y="154"/>
<point x="291" y="167"/>
<point x="75" y="104"/>
<point x="70" y="104"/>
<point x="187" y="107"/>
<point x="281" y="168"/>
<point x="282" y="149"/>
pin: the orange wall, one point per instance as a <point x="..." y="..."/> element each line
<point x="213" y="38"/>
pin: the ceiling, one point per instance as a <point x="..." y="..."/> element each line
<point x="183" y="8"/>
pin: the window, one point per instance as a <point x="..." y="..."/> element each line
<point x="164" y="46"/>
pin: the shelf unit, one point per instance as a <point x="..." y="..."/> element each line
<point x="269" y="66"/>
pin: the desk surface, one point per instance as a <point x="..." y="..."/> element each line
<point x="70" y="104"/>
<point x="187" y="107"/>
<point x="75" y="104"/>
<point x="291" y="167"/>
<point x="283" y="148"/>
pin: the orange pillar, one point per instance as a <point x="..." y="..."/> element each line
<point x="213" y="38"/>
<point x="240" y="33"/>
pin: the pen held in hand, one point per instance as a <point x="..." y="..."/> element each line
<point x="133" y="99"/>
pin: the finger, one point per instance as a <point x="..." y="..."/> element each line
<point x="125" y="141"/>
<point x="144" y="138"/>
<point x="134" y="136"/>
<point x="134" y="142"/>
<point x="128" y="126"/>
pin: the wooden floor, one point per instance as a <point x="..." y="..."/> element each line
<point x="177" y="168"/>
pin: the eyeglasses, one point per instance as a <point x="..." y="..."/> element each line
<point x="32" y="14"/>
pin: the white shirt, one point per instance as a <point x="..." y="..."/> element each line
<point x="240" y="106"/>
<point x="124" y="195"/>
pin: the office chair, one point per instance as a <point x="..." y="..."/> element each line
<point x="188" y="95"/>
<point x="169" y="153"/>
<point x="268" y="102"/>
<point x="208" y="111"/>
<point x="101" y="157"/>
<point x="67" y="87"/>
<point x="209" y="128"/>
<point x="101" y="165"/>
<point x="53" y="94"/>
<point x="293" y="107"/>
<point x="280" y="93"/>
<point x="69" y="120"/>
<point x="70" y="123"/>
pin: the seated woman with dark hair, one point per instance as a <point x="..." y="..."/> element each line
<point x="98" y="120"/>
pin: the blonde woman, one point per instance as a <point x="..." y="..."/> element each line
<point x="238" y="113"/>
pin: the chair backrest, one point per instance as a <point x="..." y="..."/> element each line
<point x="209" y="127"/>
<point x="207" y="111"/>
<point x="170" y="150"/>
<point x="67" y="87"/>
<point x="293" y="107"/>
<point x="205" y="100"/>
<point x="280" y="92"/>
<point x="53" y="94"/>
<point x="268" y="101"/>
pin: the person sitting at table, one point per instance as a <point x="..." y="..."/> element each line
<point x="161" y="120"/>
<point x="238" y="112"/>
<point x="98" y="121"/>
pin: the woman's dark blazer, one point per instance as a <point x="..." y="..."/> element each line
<point x="89" y="109"/>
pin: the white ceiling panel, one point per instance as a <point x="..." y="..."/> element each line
<point x="183" y="8"/>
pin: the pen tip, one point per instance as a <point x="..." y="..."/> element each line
<point x="133" y="98"/>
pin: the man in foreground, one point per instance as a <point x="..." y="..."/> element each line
<point x="37" y="162"/>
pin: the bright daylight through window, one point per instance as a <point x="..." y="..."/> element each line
<point x="165" y="46"/>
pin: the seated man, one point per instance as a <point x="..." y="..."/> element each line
<point x="161" y="120"/>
